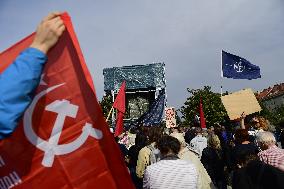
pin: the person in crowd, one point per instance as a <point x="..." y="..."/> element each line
<point x="211" y="130"/>
<point x="242" y="121"/>
<point x="281" y="138"/>
<point x="149" y="154"/>
<point x="122" y="147"/>
<point x="257" y="124"/>
<point x="243" y="147"/>
<point x="198" y="143"/>
<point x="225" y="137"/>
<point x="253" y="173"/>
<point x="175" y="130"/>
<point x="124" y="139"/>
<point x="182" y="129"/>
<point x="270" y="153"/>
<point x="205" y="132"/>
<point x="21" y="78"/>
<point x="186" y="153"/>
<point x="189" y="135"/>
<point x="260" y="123"/>
<point x="170" y="172"/>
<point x="140" y="142"/>
<point x="213" y="161"/>
<point x="131" y="136"/>
<point x="224" y="134"/>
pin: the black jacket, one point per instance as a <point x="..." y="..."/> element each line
<point x="213" y="162"/>
<point x="258" y="175"/>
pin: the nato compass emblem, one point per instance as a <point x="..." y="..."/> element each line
<point x="239" y="67"/>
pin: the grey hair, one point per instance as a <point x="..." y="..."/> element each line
<point x="265" y="137"/>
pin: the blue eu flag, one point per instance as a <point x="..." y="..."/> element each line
<point x="238" y="68"/>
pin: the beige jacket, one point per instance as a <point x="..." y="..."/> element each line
<point x="204" y="180"/>
<point x="143" y="160"/>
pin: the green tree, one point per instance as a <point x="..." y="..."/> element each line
<point x="265" y="112"/>
<point x="213" y="108"/>
<point x="276" y="117"/>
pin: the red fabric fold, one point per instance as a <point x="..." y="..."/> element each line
<point x="119" y="124"/>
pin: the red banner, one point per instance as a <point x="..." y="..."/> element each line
<point x="63" y="140"/>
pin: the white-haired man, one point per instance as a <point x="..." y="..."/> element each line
<point x="270" y="153"/>
<point x="199" y="142"/>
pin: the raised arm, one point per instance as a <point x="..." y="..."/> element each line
<point x="20" y="79"/>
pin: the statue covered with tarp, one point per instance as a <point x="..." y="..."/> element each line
<point x="145" y="85"/>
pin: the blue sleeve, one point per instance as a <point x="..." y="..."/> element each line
<point x="17" y="84"/>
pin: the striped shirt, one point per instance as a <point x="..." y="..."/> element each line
<point x="170" y="174"/>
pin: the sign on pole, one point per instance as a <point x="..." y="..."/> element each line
<point x="170" y="115"/>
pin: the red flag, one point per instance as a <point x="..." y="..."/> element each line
<point x="201" y="113"/>
<point x="119" y="124"/>
<point x="63" y="140"/>
<point x="119" y="104"/>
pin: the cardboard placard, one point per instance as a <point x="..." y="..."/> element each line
<point x="239" y="102"/>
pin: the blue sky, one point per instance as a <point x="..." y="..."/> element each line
<point x="187" y="35"/>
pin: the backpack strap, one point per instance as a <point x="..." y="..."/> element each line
<point x="151" y="147"/>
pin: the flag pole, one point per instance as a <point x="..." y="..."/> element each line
<point x="112" y="115"/>
<point x="221" y="65"/>
<point x="221" y="92"/>
<point x="109" y="113"/>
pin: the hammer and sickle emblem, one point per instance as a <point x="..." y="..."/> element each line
<point x="63" y="109"/>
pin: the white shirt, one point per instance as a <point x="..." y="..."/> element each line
<point x="198" y="143"/>
<point x="170" y="174"/>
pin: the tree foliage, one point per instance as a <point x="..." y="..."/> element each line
<point x="213" y="108"/>
<point x="276" y="117"/>
<point x="106" y="104"/>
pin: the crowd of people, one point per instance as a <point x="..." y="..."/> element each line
<point x="217" y="157"/>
